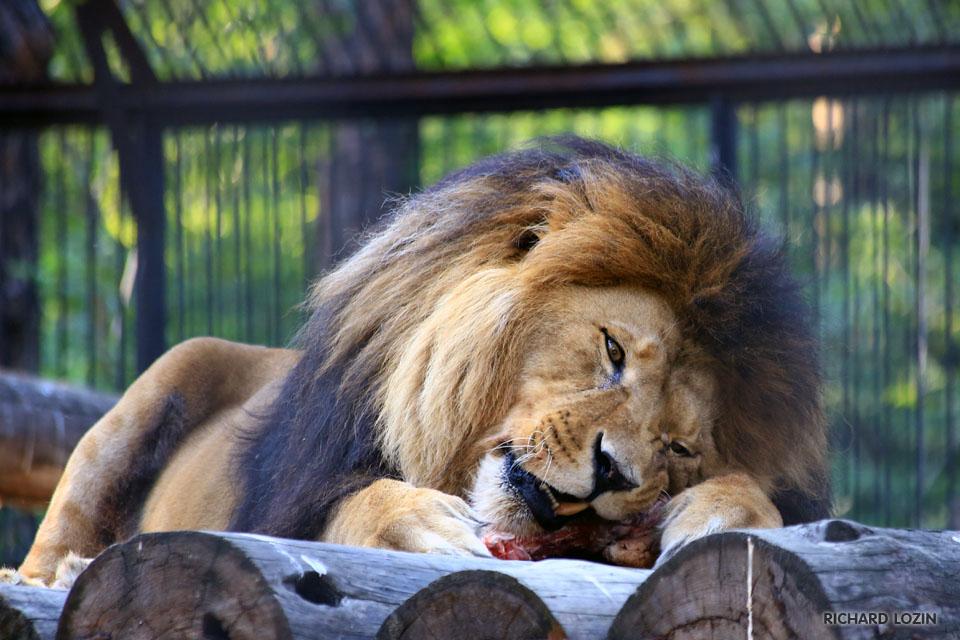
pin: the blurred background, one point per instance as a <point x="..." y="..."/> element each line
<point x="173" y="168"/>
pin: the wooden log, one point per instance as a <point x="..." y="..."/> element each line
<point x="829" y="579"/>
<point x="238" y="586"/>
<point x="29" y="613"/>
<point x="472" y="604"/>
<point x="40" y="423"/>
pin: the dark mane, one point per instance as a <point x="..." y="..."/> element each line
<point x="685" y="236"/>
<point x="315" y="446"/>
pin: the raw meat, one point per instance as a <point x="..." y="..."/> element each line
<point x="631" y="543"/>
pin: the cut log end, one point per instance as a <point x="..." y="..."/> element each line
<point x="704" y="594"/>
<point x="472" y="604"/>
<point x="202" y="588"/>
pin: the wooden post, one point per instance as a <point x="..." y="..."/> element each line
<point x="238" y="586"/>
<point x="798" y="581"/>
<point x="29" y="613"/>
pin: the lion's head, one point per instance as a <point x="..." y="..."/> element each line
<point x="547" y="329"/>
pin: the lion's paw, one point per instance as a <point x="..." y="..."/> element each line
<point x="392" y="514"/>
<point x="69" y="569"/>
<point x="719" y="504"/>
<point x="436" y="522"/>
<point x="12" y="576"/>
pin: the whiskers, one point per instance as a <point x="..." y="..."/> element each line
<point x="534" y="447"/>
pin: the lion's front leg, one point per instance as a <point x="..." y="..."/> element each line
<point x="730" y="501"/>
<point x="390" y="514"/>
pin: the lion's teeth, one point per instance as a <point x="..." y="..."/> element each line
<point x="547" y="492"/>
<point x="570" y="508"/>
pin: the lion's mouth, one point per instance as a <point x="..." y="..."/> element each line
<point x="550" y="507"/>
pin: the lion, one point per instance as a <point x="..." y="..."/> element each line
<point x="564" y="329"/>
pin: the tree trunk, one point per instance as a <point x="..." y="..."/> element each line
<point x="803" y="580"/>
<point x="238" y="586"/>
<point x="40" y="423"/>
<point x="29" y="613"/>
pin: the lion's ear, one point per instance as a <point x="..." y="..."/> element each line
<point x="526" y="241"/>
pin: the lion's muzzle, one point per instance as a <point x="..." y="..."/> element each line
<point x="549" y="506"/>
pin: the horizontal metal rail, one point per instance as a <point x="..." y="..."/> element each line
<point x="749" y="78"/>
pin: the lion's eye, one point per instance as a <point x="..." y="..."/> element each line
<point x="679" y="449"/>
<point x="614" y="351"/>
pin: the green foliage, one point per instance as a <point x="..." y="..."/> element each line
<point x="246" y="221"/>
<point x="247" y="214"/>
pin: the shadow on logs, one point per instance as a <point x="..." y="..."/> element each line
<point x="29" y="613"/>
<point x="472" y="604"/>
<point x="798" y="577"/>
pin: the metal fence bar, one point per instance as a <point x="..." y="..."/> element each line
<point x="744" y="78"/>
<point x="953" y="508"/>
<point x="723" y="136"/>
<point x="138" y="140"/>
<point x="922" y="239"/>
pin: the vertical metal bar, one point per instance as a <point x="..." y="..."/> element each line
<point x="237" y="234"/>
<point x="91" y="260"/>
<point x="845" y="324"/>
<point x="178" y="221"/>
<point x="852" y="196"/>
<point x="60" y="199"/>
<point x="887" y="332"/>
<point x="207" y="234"/>
<point x="922" y="193"/>
<point x="122" y="257"/>
<point x="828" y="174"/>
<point x="140" y="148"/>
<point x="784" y="177"/>
<point x="268" y="311"/>
<point x="245" y="178"/>
<point x="723" y="139"/>
<point x="275" y="192"/>
<point x="816" y="212"/>
<point x="148" y="205"/>
<point x="304" y="182"/>
<point x="193" y="309"/>
<point x="953" y="508"/>
<point x="876" y="173"/>
<point x="754" y="141"/>
<point x="218" y="214"/>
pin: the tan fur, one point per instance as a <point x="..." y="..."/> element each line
<point x="216" y="378"/>
<point x="469" y="346"/>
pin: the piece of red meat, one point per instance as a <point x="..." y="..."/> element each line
<point x="631" y="543"/>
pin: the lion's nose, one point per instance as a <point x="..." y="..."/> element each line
<point x="607" y="475"/>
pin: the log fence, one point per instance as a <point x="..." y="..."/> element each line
<point x="831" y="579"/>
<point x="40" y="423"/>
